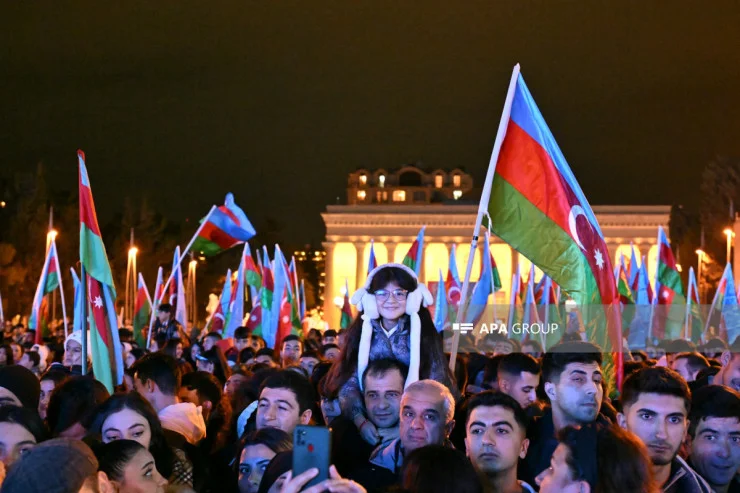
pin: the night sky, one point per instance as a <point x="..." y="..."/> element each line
<point x="277" y="101"/>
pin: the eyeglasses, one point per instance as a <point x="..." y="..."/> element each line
<point x="398" y="294"/>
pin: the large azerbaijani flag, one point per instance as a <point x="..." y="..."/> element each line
<point x="105" y="346"/>
<point x="414" y="257"/>
<point x="48" y="282"/>
<point x="537" y="207"/>
<point x="226" y="227"/>
<point x="142" y="310"/>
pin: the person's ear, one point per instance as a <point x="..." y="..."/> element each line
<point x="150" y="386"/>
<point x="551" y="391"/>
<point x="449" y="427"/>
<point x="306" y="417"/>
<point x="503" y="385"/>
<point x="105" y="485"/>
<point x="622" y="421"/>
<point x="525" y="447"/>
<point x="207" y="405"/>
<point x="725" y="358"/>
<point x="584" y="487"/>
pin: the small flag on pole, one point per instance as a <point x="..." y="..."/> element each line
<point x="227" y="227"/>
<point x="414" y="257"/>
<point x="142" y="310"/>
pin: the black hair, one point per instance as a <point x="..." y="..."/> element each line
<point x="565" y="353"/>
<point x="319" y="371"/>
<point x="215" y="335"/>
<point x="310" y="354"/>
<point x="163" y="455"/>
<point x="713" y="401"/>
<point x="241" y="333"/>
<point x="273" y="438"/>
<point x="536" y="345"/>
<point x="34" y="357"/>
<point x="296" y="383"/>
<point x="160" y="368"/>
<point x="695" y="361"/>
<point x="515" y="363"/>
<point x="379" y="367"/>
<point x="490" y="370"/>
<point x="8" y="354"/>
<point x="74" y="401"/>
<point x="491" y="398"/>
<point x="291" y="337"/>
<point x="221" y="369"/>
<point x="327" y="347"/>
<point x="27" y="418"/>
<point x="165" y="308"/>
<point x="138" y="353"/>
<point x="439" y="469"/>
<point x="245" y="355"/>
<point x="679" y="346"/>
<point x="114" y="456"/>
<point x="265" y="352"/>
<point x="170" y="347"/>
<point x="56" y="375"/>
<point x="330" y="333"/>
<point x="655" y="380"/>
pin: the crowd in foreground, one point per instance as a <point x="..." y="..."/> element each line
<point x="209" y="414"/>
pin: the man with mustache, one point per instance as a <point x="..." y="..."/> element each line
<point x="715" y="436"/>
<point x="655" y="405"/>
<point x="496" y="439"/>
<point x="571" y="372"/>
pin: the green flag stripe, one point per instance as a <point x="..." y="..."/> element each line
<point x="670" y="278"/>
<point x="94" y="258"/>
<point x="52" y="282"/>
<point x="100" y="357"/>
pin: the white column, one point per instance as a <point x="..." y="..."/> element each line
<point x="330" y="311"/>
<point x="361" y="267"/>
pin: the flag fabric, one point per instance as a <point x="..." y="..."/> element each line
<point x="48" y="282"/>
<point x="253" y="274"/>
<point x="218" y="319"/>
<point x="440" y="304"/>
<point x="495" y="277"/>
<point x="483" y="288"/>
<point x="515" y="303"/>
<point x="694" y="320"/>
<point x="266" y="329"/>
<point x="236" y="305"/>
<point x="634" y="268"/>
<point x="105" y="346"/>
<point x="643" y="297"/>
<point x="530" y="315"/>
<point x="226" y="227"/>
<point x="626" y="297"/>
<point x="346" y="319"/>
<point x="725" y="300"/>
<point x="2" y="313"/>
<point x="158" y="289"/>
<point x="78" y="302"/>
<point x="302" y="305"/>
<point x="538" y="208"/>
<point x="288" y="322"/>
<point x="142" y="311"/>
<point x="414" y="258"/>
<point x="669" y="313"/>
<point x="452" y="283"/>
<point x="177" y="291"/>
<point x="372" y="262"/>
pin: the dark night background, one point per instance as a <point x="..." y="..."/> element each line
<point x="278" y="101"/>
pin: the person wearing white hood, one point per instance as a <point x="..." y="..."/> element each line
<point x="73" y="350"/>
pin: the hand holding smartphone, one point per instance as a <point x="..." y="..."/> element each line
<point x="312" y="448"/>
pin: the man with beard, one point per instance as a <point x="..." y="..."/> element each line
<point x="715" y="436"/>
<point x="496" y="439"/>
<point x="656" y="403"/>
<point x="571" y="372"/>
<point x="519" y="376"/>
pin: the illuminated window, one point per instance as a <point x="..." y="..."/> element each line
<point x="438" y="181"/>
<point x="361" y="194"/>
<point x="381" y="180"/>
<point x="363" y="179"/>
<point x="399" y="196"/>
<point x="456" y="180"/>
<point x="457" y="194"/>
<point x="381" y="196"/>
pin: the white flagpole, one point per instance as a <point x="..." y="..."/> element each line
<point x="483" y="206"/>
<point x="172" y="274"/>
<point x="61" y="290"/>
<point x="688" y="306"/>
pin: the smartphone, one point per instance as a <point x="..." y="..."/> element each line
<point x="312" y="448"/>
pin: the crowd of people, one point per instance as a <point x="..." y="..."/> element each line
<point x="205" y="413"/>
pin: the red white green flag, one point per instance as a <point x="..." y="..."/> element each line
<point x="414" y="257"/>
<point x="346" y="319"/>
<point x="142" y="310"/>
<point x="48" y="282"/>
<point x="537" y="206"/>
<point x="105" y="346"/>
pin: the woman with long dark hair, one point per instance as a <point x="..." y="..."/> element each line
<point x="131" y="417"/>
<point x="393" y="322"/>
<point x="129" y="467"/>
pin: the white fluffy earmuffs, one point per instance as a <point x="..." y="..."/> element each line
<point x="365" y="302"/>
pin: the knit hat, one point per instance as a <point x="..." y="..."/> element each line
<point x="22" y="383"/>
<point x="365" y="302"/>
<point x="60" y="465"/>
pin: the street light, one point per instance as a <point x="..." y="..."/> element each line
<point x="729" y="233"/>
<point x="133" y="251"/>
<point x="52" y="234"/>
<point x="699" y="253"/>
